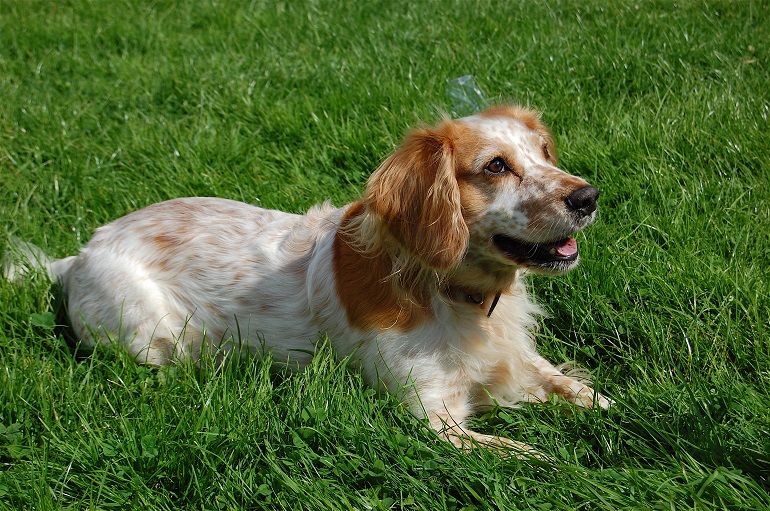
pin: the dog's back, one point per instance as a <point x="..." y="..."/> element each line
<point x="168" y="280"/>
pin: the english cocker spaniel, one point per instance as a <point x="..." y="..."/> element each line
<point x="419" y="281"/>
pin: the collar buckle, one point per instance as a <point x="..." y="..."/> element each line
<point x="478" y="299"/>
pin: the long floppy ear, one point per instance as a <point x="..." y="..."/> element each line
<point x="415" y="194"/>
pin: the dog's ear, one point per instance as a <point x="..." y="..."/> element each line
<point x="416" y="196"/>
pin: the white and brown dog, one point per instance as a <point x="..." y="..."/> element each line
<point x="419" y="280"/>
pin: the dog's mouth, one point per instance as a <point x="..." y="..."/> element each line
<point x="554" y="256"/>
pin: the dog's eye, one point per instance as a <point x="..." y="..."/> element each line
<point x="497" y="166"/>
<point x="546" y="152"/>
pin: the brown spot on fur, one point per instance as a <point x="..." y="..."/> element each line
<point x="166" y="242"/>
<point x="161" y="349"/>
<point x="246" y="302"/>
<point x="500" y="375"/>
<point x="162" y="264"/>
<point x="559" y="385"/>
<point x="476" y="193"/>
<point x="267" y="307"/>
<point x="240" y="274"/>
<point x="366" y="290"/>
<point x="216" y="312"/>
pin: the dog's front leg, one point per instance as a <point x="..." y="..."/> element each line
<point x="572" y="386"/>
<point x="447" y="405"/>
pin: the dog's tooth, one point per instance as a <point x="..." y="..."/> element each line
<point x="552" y="251"/>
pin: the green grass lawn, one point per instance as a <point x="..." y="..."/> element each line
<point x="106" y="107"/>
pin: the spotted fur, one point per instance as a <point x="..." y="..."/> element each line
<point x="401" y="280"/>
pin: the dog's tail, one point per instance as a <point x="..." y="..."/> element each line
<point x="22" y="258"/>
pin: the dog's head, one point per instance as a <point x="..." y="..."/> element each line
<point x="483" y="195"/>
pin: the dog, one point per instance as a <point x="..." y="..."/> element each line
<point x="420" y="280"/>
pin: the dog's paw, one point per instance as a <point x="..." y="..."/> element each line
<point x="466" y="439"/>
<point x="589" y="398"/>
<point x="603" y="402"/>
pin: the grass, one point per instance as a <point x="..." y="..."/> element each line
<point x="110" y="106"/>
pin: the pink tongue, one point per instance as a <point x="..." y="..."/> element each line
<point x="567" y="248"/>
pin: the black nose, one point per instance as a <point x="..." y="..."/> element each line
<point x="583" y="200"/>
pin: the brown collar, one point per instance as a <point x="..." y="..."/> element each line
<point x="474" y="298"/>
